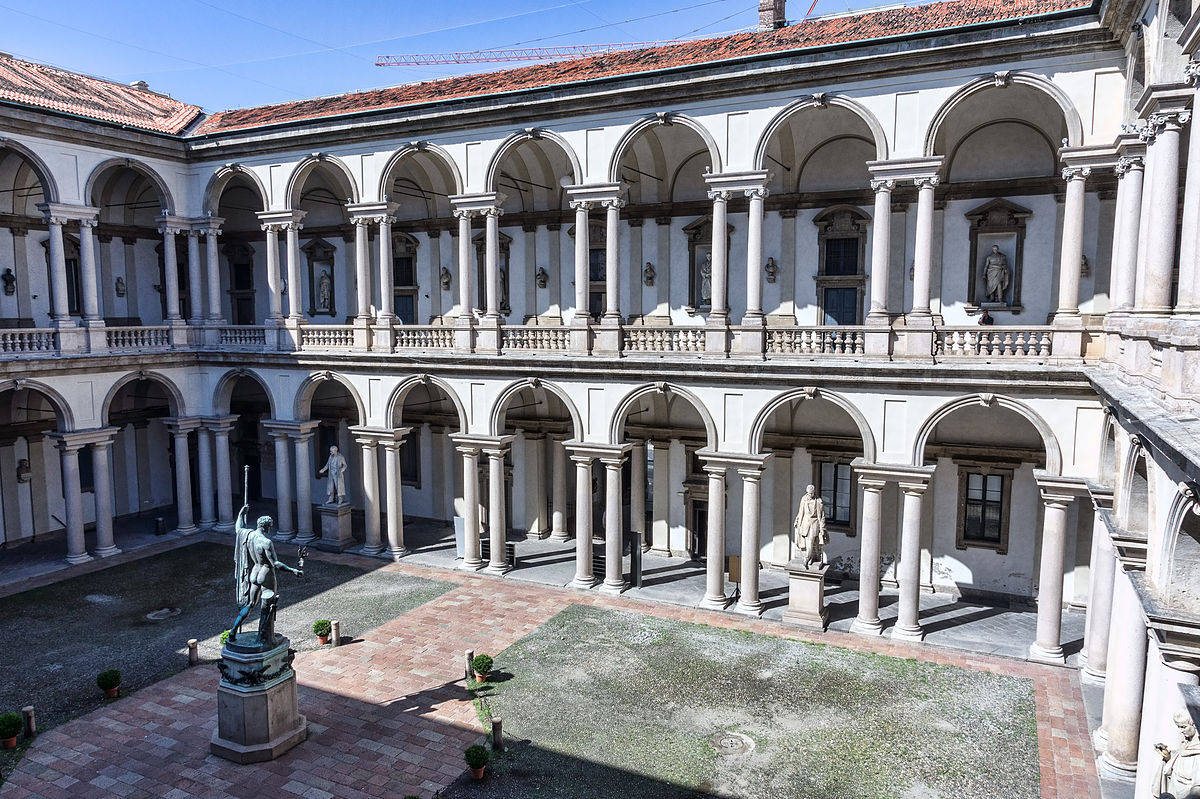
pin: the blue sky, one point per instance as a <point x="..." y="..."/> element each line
<point x="223" y="54"/>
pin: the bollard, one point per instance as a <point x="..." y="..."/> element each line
<point x="193" y="652"/>
<point x="335" y="634"/>
<point x="160" y="526"/>
<point x="30" y="721"/>
<point x="470" y="672"/>
<point x="497" y="734"/>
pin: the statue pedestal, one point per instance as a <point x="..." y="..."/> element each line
<point x="806" y="596"/>
<point x="257" y="714"/>
<point x="336" y="535"/>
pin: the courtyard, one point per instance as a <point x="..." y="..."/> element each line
<point x="600" y="696"/>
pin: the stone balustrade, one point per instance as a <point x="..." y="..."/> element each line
<point x="138" y="339"/>
<point x="815" y="341"/>
<point x="326" y="337"/>
<point x="663" y="339"/>
<point x="242" y="337"/>
<point x="993" y="342"/>
<point x="424" y="337"/>
<point x="535" y="338"/>
<point x="29" y="342"/>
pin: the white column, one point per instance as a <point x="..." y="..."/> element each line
<point x="102" y="488"/>
<point x="1125" y="684"/>
<point x="491" y="218"/>
<point x="283" y="486"/>
<point x="535" y="485"/>
<point x="466" y="275"/>
<point x="302" y="441"/>
<point x="714" y="584"/>
<point x="362" y="268"/>
<point x="749" y="602"/>
<point x="637" y="492"/>
<point x="720" y="258"/>
<point x="224" y="478"/>
<point x="582" y="248"/>
<point x="1130" y="171"/>
<point x="1048" y="646"/>
<point x="73" y="497"/>
<point x="58" y="274"/>
<point x="88" y="271"/>
<point x="204" y="461"/>
<point x="612" y="260"/>
<point x="471" y="558"/>
<point x="923" y="248"/>
<point x="1103" y="566"/>
<point x="183" y="480"/>
<point x="1188" y="300"/>
<point x="558" y="491"/>
<point x="908" y="625"/>
<point x="295" y="287"/>
<point x="614" y="538"/>
<point x="1163" y="219"/>
<point x="171" y="273"/>
<point x="394" y="496"/>
<point x="1072" y="244"/>
<point x="584" y="578"/>
<point x="881" y="250"/>
<point x="275" y="313"/>
<point x="372" y="544"/>
<point x="195" y="281"/>
<point x="870" y="533"/>
<point x="497" y="519"/>
<point x="387" y="290"/>
<point x="754" y="256"/>
<point x="213" y="256"/>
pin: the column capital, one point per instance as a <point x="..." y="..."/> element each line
<point x="615" y="202"/>
<point x="78" y="439"/>
<point x="927" y="181"/>
<point x="476" y="203"/>
<point x="1128" y="163"/>
<point x="594" y="193"/>
<point x="182" y="425"/>
<point x="1173" y="119"/>
<point x="737" y="182"/>
<point x="1080" y="173"/>
<point x="1191" y="72"/>
<point x="396" y="439"/>
<point x="210" y="225"/>
<point x="733" y="460"/>
<point x="882" y="184"/>
<point x="65" y="213"/>
<point x="581" y="205"/>
<point x="221" y="424"/>
<point x="874" y="484"/>
<point x="719" y="195"/>
<point x="468" y="442"/>
<point x="169" y="224"/>
<point x="492" y="211"/>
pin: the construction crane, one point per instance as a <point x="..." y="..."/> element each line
<point x="519" y="54"/>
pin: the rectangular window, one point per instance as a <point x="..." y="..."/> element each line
<point x="834" y="486"/>
<point x="983" y="509"/>
<point x="841" y="256"/>
<point x="841" y="306"/>
<point x="404" y="277"/>
<point x="410" y="460"/>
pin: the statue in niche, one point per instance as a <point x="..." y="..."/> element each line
<point x="255" y="565"/>
<point x="541" y="277"/>
<point x="648" y="274"/>
<point x="10" y="282"/>
<point x="445" y="278"/>
<point x="24" y="472"/>
<point x="336" y="484"/>
<point x="811" y="536"/>
<point x="324" y="291"/>
<point x="706" y="280"/>
<point x="772" y="270"/>
<point x="1179" y="774"/>
<point x="119" y="287"/>
<point x="996" y="275"/>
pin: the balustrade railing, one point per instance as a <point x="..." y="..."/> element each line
<point x="534" y="338"/>
<point x="815" y="340"/>
<point x="663" y="339"/>
<point x="424" y="337"/>
<point x="243" y="336"/>
<point x="326" y="337"/>
<point x="993" y="342"/>
<point x="138" y="339"/>
<point x="28" y="341"/>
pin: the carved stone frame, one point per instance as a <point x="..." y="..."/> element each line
<point x="841" y="222"/>
<point x="1006" y="472"/>
<point x="318" y="253"/>
<point x="405" y="245"/>
<point x="699" y="236"/>
<point x="480" y="242"/>
<point x="993" y="218"/>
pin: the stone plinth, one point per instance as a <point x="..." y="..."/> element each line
<point x="336" y="535"/>
<point x="257" y="715"/>
<point x="806" y="596"/>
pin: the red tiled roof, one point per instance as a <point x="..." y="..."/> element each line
<point x="54" y="89"/>
<point x="821" y="32"/>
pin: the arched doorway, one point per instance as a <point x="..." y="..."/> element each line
<point x="24" y="269"/>
<point x="332" y="416"/>
<point x="144" y="410"/>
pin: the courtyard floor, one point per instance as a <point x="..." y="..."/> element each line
<point x="389" y="714"/>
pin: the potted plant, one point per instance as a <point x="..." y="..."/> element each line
<point x="477" y="759"/>
<point x="225" y="637"/>
<point x="109" y="682"/>
<point x="10" y="728"/>
<point x="481" y="665"/>
<point x="321" y="629"/>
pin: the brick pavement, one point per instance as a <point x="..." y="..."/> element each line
<point x="389" y="715"/>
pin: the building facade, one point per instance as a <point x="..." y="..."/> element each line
<point x="938" y="262"/>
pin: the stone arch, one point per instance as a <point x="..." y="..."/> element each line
<point x="759" y="425"/>
<point x="841" y="101"/>
<point x="145" y="171"/>
<point x="305" y="168"/>
<point x="1180" y="527"/>
<point x="66" y="418"/>
<point x="174" y="395"/>
<point x="500" y="407"/>
<point x="1134" y="495"/>
<point x="304" y="394"/>
<point x="531" y="134"/>
<point x="434" y="151"/>
<point x="220" y="179"/>
<point x="1074" y="122"/>
<point x="223" y="394"/>
<point x="616" y="428"/>
<point x="400" y="393"/>
<point x="1107" y="471"/>
<point x="653" y="120"/>
<point x="1049" y="441"/>
<point x="49" y="185"/>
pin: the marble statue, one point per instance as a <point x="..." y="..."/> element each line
<point x="119" y="287"/>
<point x="254" y="573"/>
<point x="324" y="291"/>
<point x="541" y="277"/>
<point x="10" y="282"/>
<point x="996" y="275"/>
<point x="811" y="536"/>
<point x="445" y="277"/>
<point x="706" y="279"/>
<point x="336" y="484"/>
<point x="1179" y="774"/>
<point x="648" y="274"/>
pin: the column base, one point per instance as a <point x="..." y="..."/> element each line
<point x="471" y="565"/>
<point x="305" y="538"/>
<point x="1100" y="740"/>
<point x="372" y="551"/>
<point x="398" y="553"/>
<point x="497" y="569"/>
<point x="867" y="627"/>
<point x="107" y="552"/>
<point x="584" y="583"/>
<point x="1092" y="676"/>
<point x="284" y="536"/>
<point x="1113" y="770"/>
<point x="75" y="560"/>
<point x="904" y="632"/>
<point x="560" y="536"/>
<point x="189" y="530"/>
<point x="1042" y="654"/>
<point x="714" y="602"/>
<point x="754" y="608"/>
<point x="614" y="588"/>
<point x="206" y="524"/>
<point x="223" y="527"/>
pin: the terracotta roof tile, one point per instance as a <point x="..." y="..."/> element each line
<point x="821" y="32"/>
<point x="55" y="89"/>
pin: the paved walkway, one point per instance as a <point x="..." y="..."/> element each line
<point x="389" y="715"/>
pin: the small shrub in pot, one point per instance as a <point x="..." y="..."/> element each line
<point x="482" y="666"/>
<point x="109" y="682"/>
<point x="477" y="758"/>
<point x="10" y="728"/>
